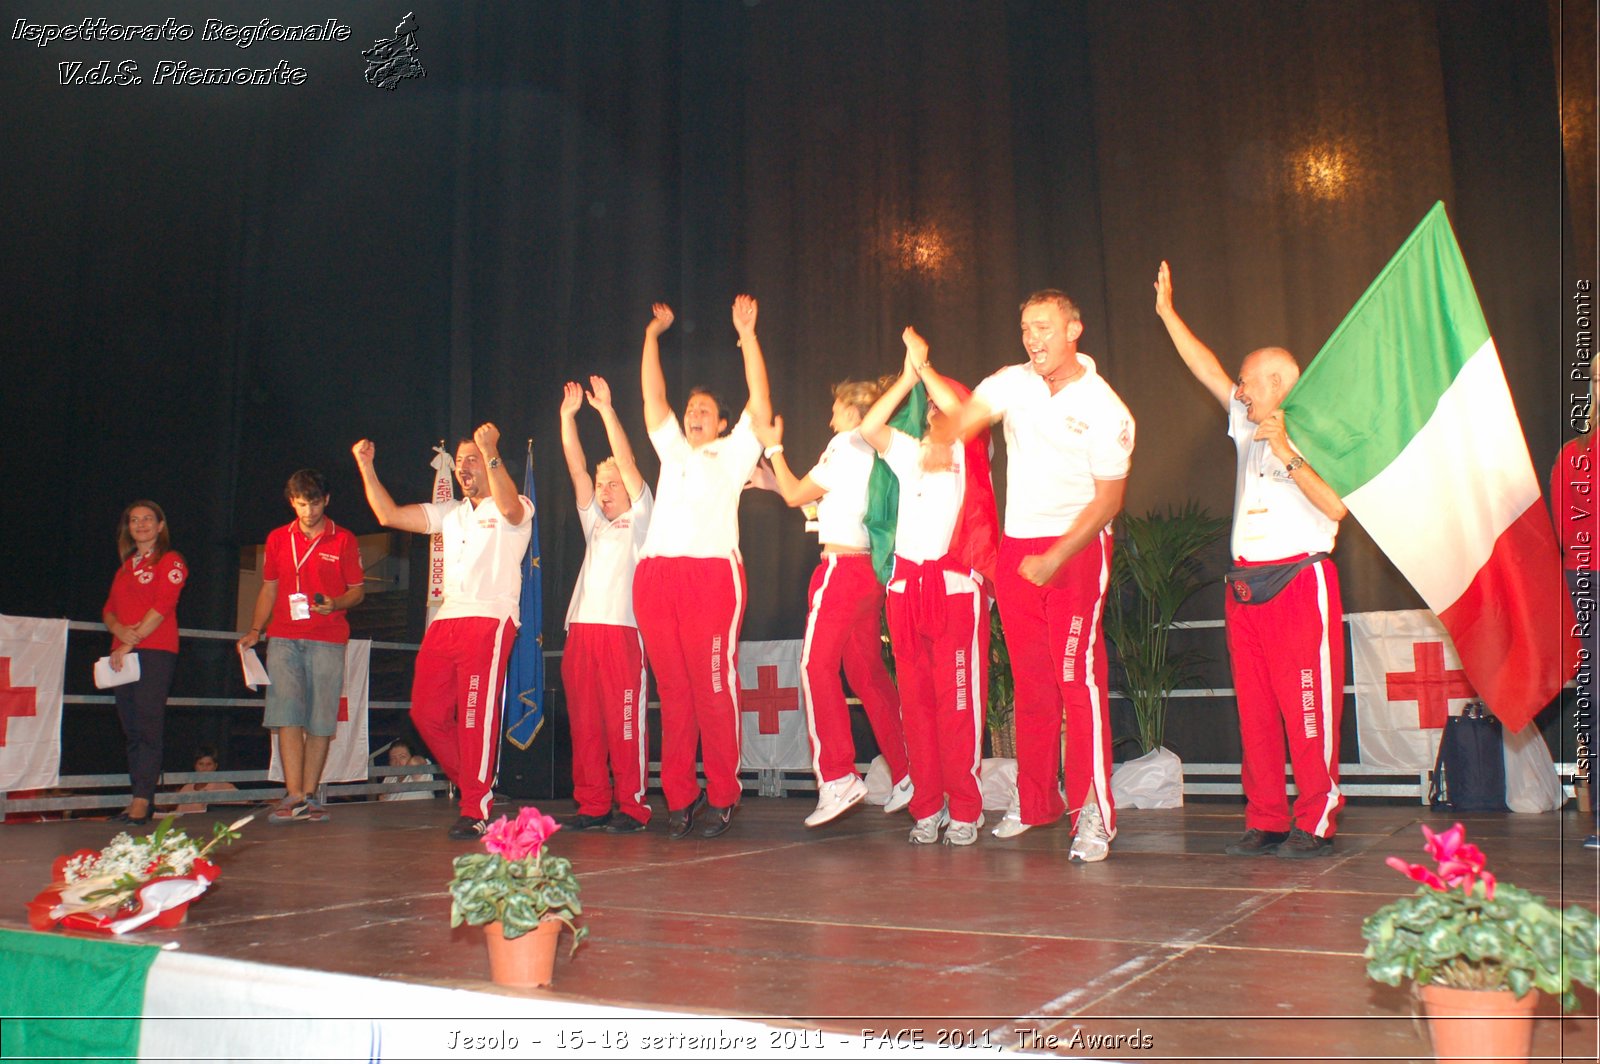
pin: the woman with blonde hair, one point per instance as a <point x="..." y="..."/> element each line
<point x="845" y="603"/>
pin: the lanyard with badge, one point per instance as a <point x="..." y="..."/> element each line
<point x="299" y="605"/>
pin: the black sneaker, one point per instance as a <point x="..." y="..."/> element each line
<point x="1256" y="843"/>
<point x="681" y="821"/>
<point x="623" y="824"/>
<point x="585" y="822"/>
<point x="1302" y="844"/>
<point x="466" y="827"/>
<point x="721" y="820"/>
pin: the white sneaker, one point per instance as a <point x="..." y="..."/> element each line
<point x="1010" y="825"/>
<point x="834" y="797"/>
<point x="899" y="796"/>
<point x="963" y="832"/>
<point x="927" y="830"/>
<point x="1091" y="843"/>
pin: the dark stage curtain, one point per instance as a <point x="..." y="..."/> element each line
<point x="212" y="287"/>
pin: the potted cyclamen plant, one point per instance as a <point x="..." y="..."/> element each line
<point x="520" y="896"/>
<point x="1478" y="951"/>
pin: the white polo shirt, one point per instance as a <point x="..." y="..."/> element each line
<point x="843" y="472"/>
<point x="483" y="555"/>
<point x="1057" y="446"/>
<point x="1272" y="518"/>
<point x="697" y="498"/>
<point x="604" y="592"/>
<point x="930" y="503"/>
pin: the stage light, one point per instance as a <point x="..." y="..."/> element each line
<point x="1323" y="171"/>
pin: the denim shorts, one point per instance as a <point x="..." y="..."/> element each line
<point x="307" y="682"/>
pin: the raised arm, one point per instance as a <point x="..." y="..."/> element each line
<point x="652" y="382"/>
<point x="874" y="427"/>
<point x="939" y="391"/>
<point x="1200" y="359"/>
<point x="796" y="491"/>
<point x="572" y="447"/>
<point x="759" y="405"/>
<point x="501" y="487"/>
<point x="410" y="518"/>
<point x="621" y="449"/>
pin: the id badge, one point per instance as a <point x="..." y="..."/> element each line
<point x="299" y="607"/>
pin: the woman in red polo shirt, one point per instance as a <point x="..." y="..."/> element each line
<point x="141" y="614"/>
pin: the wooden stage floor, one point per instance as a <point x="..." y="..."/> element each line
<point x="848" y="926"/>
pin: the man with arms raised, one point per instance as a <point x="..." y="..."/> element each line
<point x="1285" y="620"/>
<point x="460" y="670"/>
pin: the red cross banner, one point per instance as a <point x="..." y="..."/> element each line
<point x="443" y="491"/>
<point x="772" y="720"/>
<point x="33" y="665"/>
<point x="1408" y="680"/>
<point x="347" y="754"/>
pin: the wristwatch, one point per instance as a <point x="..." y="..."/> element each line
<point x="1294" y="463"/>
<point x="494" y="463"/>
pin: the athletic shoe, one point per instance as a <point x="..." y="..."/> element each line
<point x="721" y="820"/>
<point x="926" y="830"/>
<point x="1011" y="824"/>
<point x="963" y="832"/>
<point x="1592" y="842"/>
<point x="834" y="797"/>
<point x="899" y="796"/>
<point x="1302" y="844"/>
<point x="681" y="821"/>
<point x="1091" y="842"/>
<point x="1256" y="843"/>
<point x="284" y="811"/>
<point x="312" y="812"/>
<point x="623" y="824"/>
<point x="466" y="827"/>
<point x="585" y="821"/>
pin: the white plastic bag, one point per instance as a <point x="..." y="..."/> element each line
<point x="1532" y="784"/>
<point x="878" y="782"/>
<point x="997" y="781"/>
<point x="1154" y="781"/>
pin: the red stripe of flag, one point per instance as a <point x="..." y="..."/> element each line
<point x="1513" y="624"/>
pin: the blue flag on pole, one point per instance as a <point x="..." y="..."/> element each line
<point x="524" y="699"/>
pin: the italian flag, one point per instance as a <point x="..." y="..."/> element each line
<point x="1406" y="414"/>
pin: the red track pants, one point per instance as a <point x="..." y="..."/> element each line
<point x="689" y="611"/>
<point x="941" y="659"/>
<point x="1288" y="675"/>
<point x="602" y="671"/>
<point x="842" y="629"/>
<point x="1058" y="659"/>
<point x="455" y="702"/>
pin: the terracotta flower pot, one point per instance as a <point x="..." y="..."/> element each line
<point x="1483" y="1026"/>
<point x="526" y="961"/>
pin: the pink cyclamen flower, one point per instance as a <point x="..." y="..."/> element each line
<point x="1417" y="872"/>
<point x="522" y="837"/>
<point x="1460" y="863"/>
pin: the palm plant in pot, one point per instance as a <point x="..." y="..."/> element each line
<point x="520" y="895"/>
<point x="1478" y="950"/>
<point x="1155" y="569"/>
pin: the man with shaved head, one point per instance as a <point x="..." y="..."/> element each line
<point x="1285" y="620"/>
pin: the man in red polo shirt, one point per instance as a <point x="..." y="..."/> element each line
<point x="310" y="575"/>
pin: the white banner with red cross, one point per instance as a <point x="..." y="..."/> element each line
<point x="1408" y="680"/>
<point x="444" y="490"/>
<point x="772" y="720"/>
<point x="33" y="665"/>
<point x="347" y="754"/>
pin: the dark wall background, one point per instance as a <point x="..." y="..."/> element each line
<point x="210" y="286"/>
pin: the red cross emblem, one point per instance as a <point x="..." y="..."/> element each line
<point x="344" y="709"/>
<point x="1430" y="685"/>
<point x="14" y="701"/>
<point x="766" y="700"/>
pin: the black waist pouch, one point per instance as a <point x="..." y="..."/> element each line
<point x="1256" y="584"/>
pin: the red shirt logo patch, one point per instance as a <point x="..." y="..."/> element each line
<point x="175" y="575"/>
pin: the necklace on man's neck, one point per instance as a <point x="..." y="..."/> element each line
<point x="1065" y="374"/>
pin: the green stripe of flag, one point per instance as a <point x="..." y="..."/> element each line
<point x="1379" y="377"/>
<point x="69" y="998"/>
